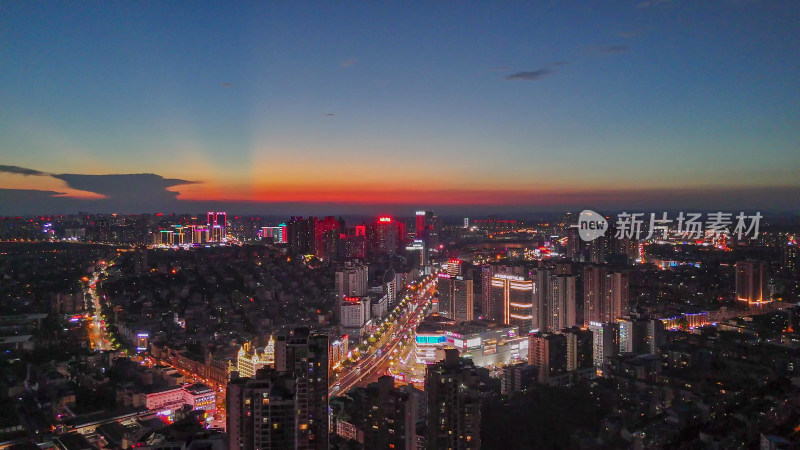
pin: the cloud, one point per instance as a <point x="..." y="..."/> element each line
<point x="611" y="49"/>
<point x="649" y="3"/>
<point x="226" y="85"/>
<point x="125" y="187"/>
<point x="21" y="170"/>
<point x="560" y="63"/>
<point x="349" y="62"/>
<point x="627" y="34"/>
<point x="528" y="76"/>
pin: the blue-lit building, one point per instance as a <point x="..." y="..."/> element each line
<point x="485" y="343"/>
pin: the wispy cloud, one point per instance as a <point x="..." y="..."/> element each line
<point x="349" y="62"/>
<point x="21" y="171"/>
<point x="628" y="34"/>
<point x="611" y="49"/>
<point x="528" y="76"/>
<point x="649" y="3"/>
<point x="226" y="85"/>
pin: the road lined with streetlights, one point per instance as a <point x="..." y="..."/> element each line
<point x="375" y="362"/>
<point x="99" y="338"/>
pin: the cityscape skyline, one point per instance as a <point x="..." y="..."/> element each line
<point x="344" y="109"/>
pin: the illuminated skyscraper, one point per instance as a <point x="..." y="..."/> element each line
<point x="424" y="221"/>
<point x="515" y="294"/>
<point x="790" y="257"/>
<point x="453" y="267"/>
<point x="626" y="335"/>
<point x="605" y="342"/>
<point x="217" y="223"/>
<point x="560" y="302"/>
<point x="390" y="285"/>
<point x="274" y="234"/>
<point x="456" y="297"/>
<point x="488" y="309"/>
<point x="385" y="236"/>
<point x="751" y="282"/>
<point x="326" y="236"/>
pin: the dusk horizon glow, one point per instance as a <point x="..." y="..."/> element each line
<point x="493" y="105"/>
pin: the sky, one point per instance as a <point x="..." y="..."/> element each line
<point x="479" y="107"/>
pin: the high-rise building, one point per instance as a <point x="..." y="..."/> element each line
<point x="273" y="234"/>
<point x="541" y="296"/>
<point x="548" y="351"/>
<point x="355" y="245"/>
<point x="488" y="309"/>
<point x="617" y="295"/>
<point x="456" y="297"/>
<point x="790" y="257"/>
<point x="626" y="335"/>
<point x="579" y="348"/>
<point x="304" y="355"/>
<point x="286" y="407"/>
<point x="140" y="260"/>
<point x="751" y="282"/>
<point x="605" y="342"/>
<point x="351" y="280"/>
<point x="217" y="223"/>
<point x="261" y="411"/>
<point x="652" y="331"/>
<point x="390" y="286"/>
<point x="605" y="294"/>
<point x="574" y="244"/>
<point x="419" y="246"/>
<point x="391" y="416"/>
<point x="640" y="335"/>
<point x="300" y="235"/>
<point x="453" y="267"/>
<point x="560" y="303"/>
<point x="593" y="294"/>
<point x="515" y="294"/>
<point x="596" y="250"/>
<point x="454" y="403"/>
<point x="385" y="236"/>
<point x="354" y="314"/>
<point x="326" y="237"/>
<point x="424" y="222"/>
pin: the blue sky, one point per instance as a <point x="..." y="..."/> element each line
<point x="356" y="103"/>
